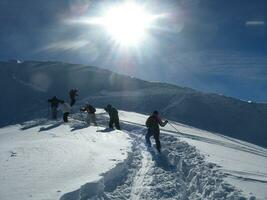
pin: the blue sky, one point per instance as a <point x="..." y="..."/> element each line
<point x="210" y="45"/>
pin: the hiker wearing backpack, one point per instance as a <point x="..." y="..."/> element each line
<point x="54" y="105"/>
<point x="90" y="114"/>
<point x="153" y="122"/>
<point x="113" y="117"/>
<point x="73" y="93"/>
<point x="65" y="108"/>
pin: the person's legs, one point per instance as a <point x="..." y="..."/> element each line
<point x="54" y="112"/>
<point x="88" y="121"/>
<point x="117" y="123"/>
<point x="148" y="135"/>
<point x="111" y="122"/>
<point x="93" y="118"/>
<point x="158" y="145"/>
<point x="72" y="101"/>
<point x="65" y="117"/>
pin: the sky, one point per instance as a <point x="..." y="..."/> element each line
<point x="209" y="45"/>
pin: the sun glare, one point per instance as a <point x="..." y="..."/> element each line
<point x="127" y="23"/>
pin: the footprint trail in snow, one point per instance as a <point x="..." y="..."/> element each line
<point x="179" y="172"/>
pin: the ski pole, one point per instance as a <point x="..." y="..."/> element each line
<point x="174" y="127"/>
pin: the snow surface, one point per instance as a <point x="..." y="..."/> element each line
<point x="44" y="159"/>
<point x="242" y="164"/>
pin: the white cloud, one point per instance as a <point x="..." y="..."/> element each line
<point x="255" y="23"/>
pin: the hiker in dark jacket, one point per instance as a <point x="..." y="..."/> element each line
<point x="90" y="114"/>
<point x="73" y="93"/>
<point x="54" y="105"/>
<point x="152" y="124"/>
<point x="113" y="117"/>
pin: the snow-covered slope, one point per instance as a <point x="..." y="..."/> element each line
<point x="241" y="164"/>
<point x="26" y="86"/>
<point x="44" y="159"/>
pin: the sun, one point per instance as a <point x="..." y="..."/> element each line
<point x="128" y="23"/>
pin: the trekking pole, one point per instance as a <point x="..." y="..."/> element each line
<point x="174" y="127"/>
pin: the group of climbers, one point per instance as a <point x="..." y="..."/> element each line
<point x="58" y="104"/>
<point x="65" y="107"/>
<point x="153" y="122"/>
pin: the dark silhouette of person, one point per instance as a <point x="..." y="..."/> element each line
<point x="113" y="117"/>
<point x="73" y="93"/>
<point x="54" y="105"/>
<point x="90" y="114"/>
<point x="152" y="124"/>
<point x="65" y="108"/>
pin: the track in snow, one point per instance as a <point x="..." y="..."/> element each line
<point x="180" y="172"/>
<point x="141" y="182"/>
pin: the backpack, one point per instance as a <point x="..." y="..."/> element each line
<point x="92" y="109"/>
<point x="151" y="122"/>
<point x="73" y="93"/>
